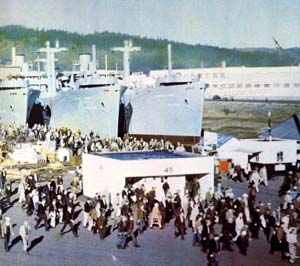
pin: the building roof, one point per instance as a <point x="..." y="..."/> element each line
<point x="223" y="138"/>
<point x="288" y="129"/>
<point x="247" y="150"/>
<point x="146" y="155"/>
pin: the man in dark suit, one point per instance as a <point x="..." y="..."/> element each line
<point x="214" y="245"/>
<point x="7" y="231"/>
<point x="69" y="220"/>
<point x="122" y="233"/>
<point x="130" y="230"/>
<point x="179" y="224"/>
<point x="101" y="225"/>
<point x="243" y="241"/>
<point x="214" y="250"/>
<point x="42" y="216"/>
<point x="208" y="229"/>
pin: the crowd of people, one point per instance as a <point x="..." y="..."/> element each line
<point x="78" y="142"/>
<point x="240" y="218"/>
<point x="49" y="202"/>
<point x="220" y="221"/>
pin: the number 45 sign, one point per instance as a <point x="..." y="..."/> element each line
<point x="169" y="169"/>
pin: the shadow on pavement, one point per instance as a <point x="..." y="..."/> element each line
<point x="14" y="242"/>
<point x="35" y="241"/>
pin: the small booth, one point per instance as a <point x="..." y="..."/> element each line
<point x="64" y="154"/>
<point x="278" y="155"/>
<point x="109" y="172"/>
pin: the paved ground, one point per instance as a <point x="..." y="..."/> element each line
<point x="158" y="247"/>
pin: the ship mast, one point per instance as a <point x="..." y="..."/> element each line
<point x="126" y="50"/>
<point x="94" y="67"/>
<point x="169" y="59"/>
<point x="50" y="64"/>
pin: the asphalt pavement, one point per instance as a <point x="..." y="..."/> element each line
<point x="158" y="247"/>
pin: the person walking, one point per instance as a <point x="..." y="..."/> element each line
<point x="179" y="224"/>
<point x="101" y="225"/>
<point x="69" y="220"/>
<point x="263" y="175"/>
<point x="87" y="207"/>
<point x="122" y="233"/>
<point x="291" y="238"/>
<point x="21" y="193"/>
<point x="130" y="231"/>
<point x="42" y="216"/>
<point x="243" y="241"/>
<point x="25" y="232"/>
<point x="7" y="231"/>
<point x="214" y="246"/>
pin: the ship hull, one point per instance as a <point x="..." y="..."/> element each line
<point x="92" y="109"/>
<point x="16" y="105"/>
<point x="166" y="110"/>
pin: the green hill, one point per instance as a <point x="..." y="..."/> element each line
<point x="152" y="56"/>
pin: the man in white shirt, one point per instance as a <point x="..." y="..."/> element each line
<point x="25" y="232"/>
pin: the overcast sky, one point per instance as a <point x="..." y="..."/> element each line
<point x="227" y="23"/>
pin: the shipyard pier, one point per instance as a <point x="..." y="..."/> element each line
<point x="120" y="168"/>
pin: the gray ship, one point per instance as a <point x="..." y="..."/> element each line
<point x="169" y="106"/>
<point x="93" y="106"/>
<point x="17" y="101"/>
<point x="81" y="100"/>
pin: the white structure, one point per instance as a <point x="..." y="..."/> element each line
<point x="64" y="154"/>
<point x="277" y="154"/>
<point x="26" y="153"/>
<point x="108" y="172"/>
<point x="210" y="138"/>
<point x="85" y="62"/>
<point x="250" y="83"/>
<point x="233" y="150"/>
